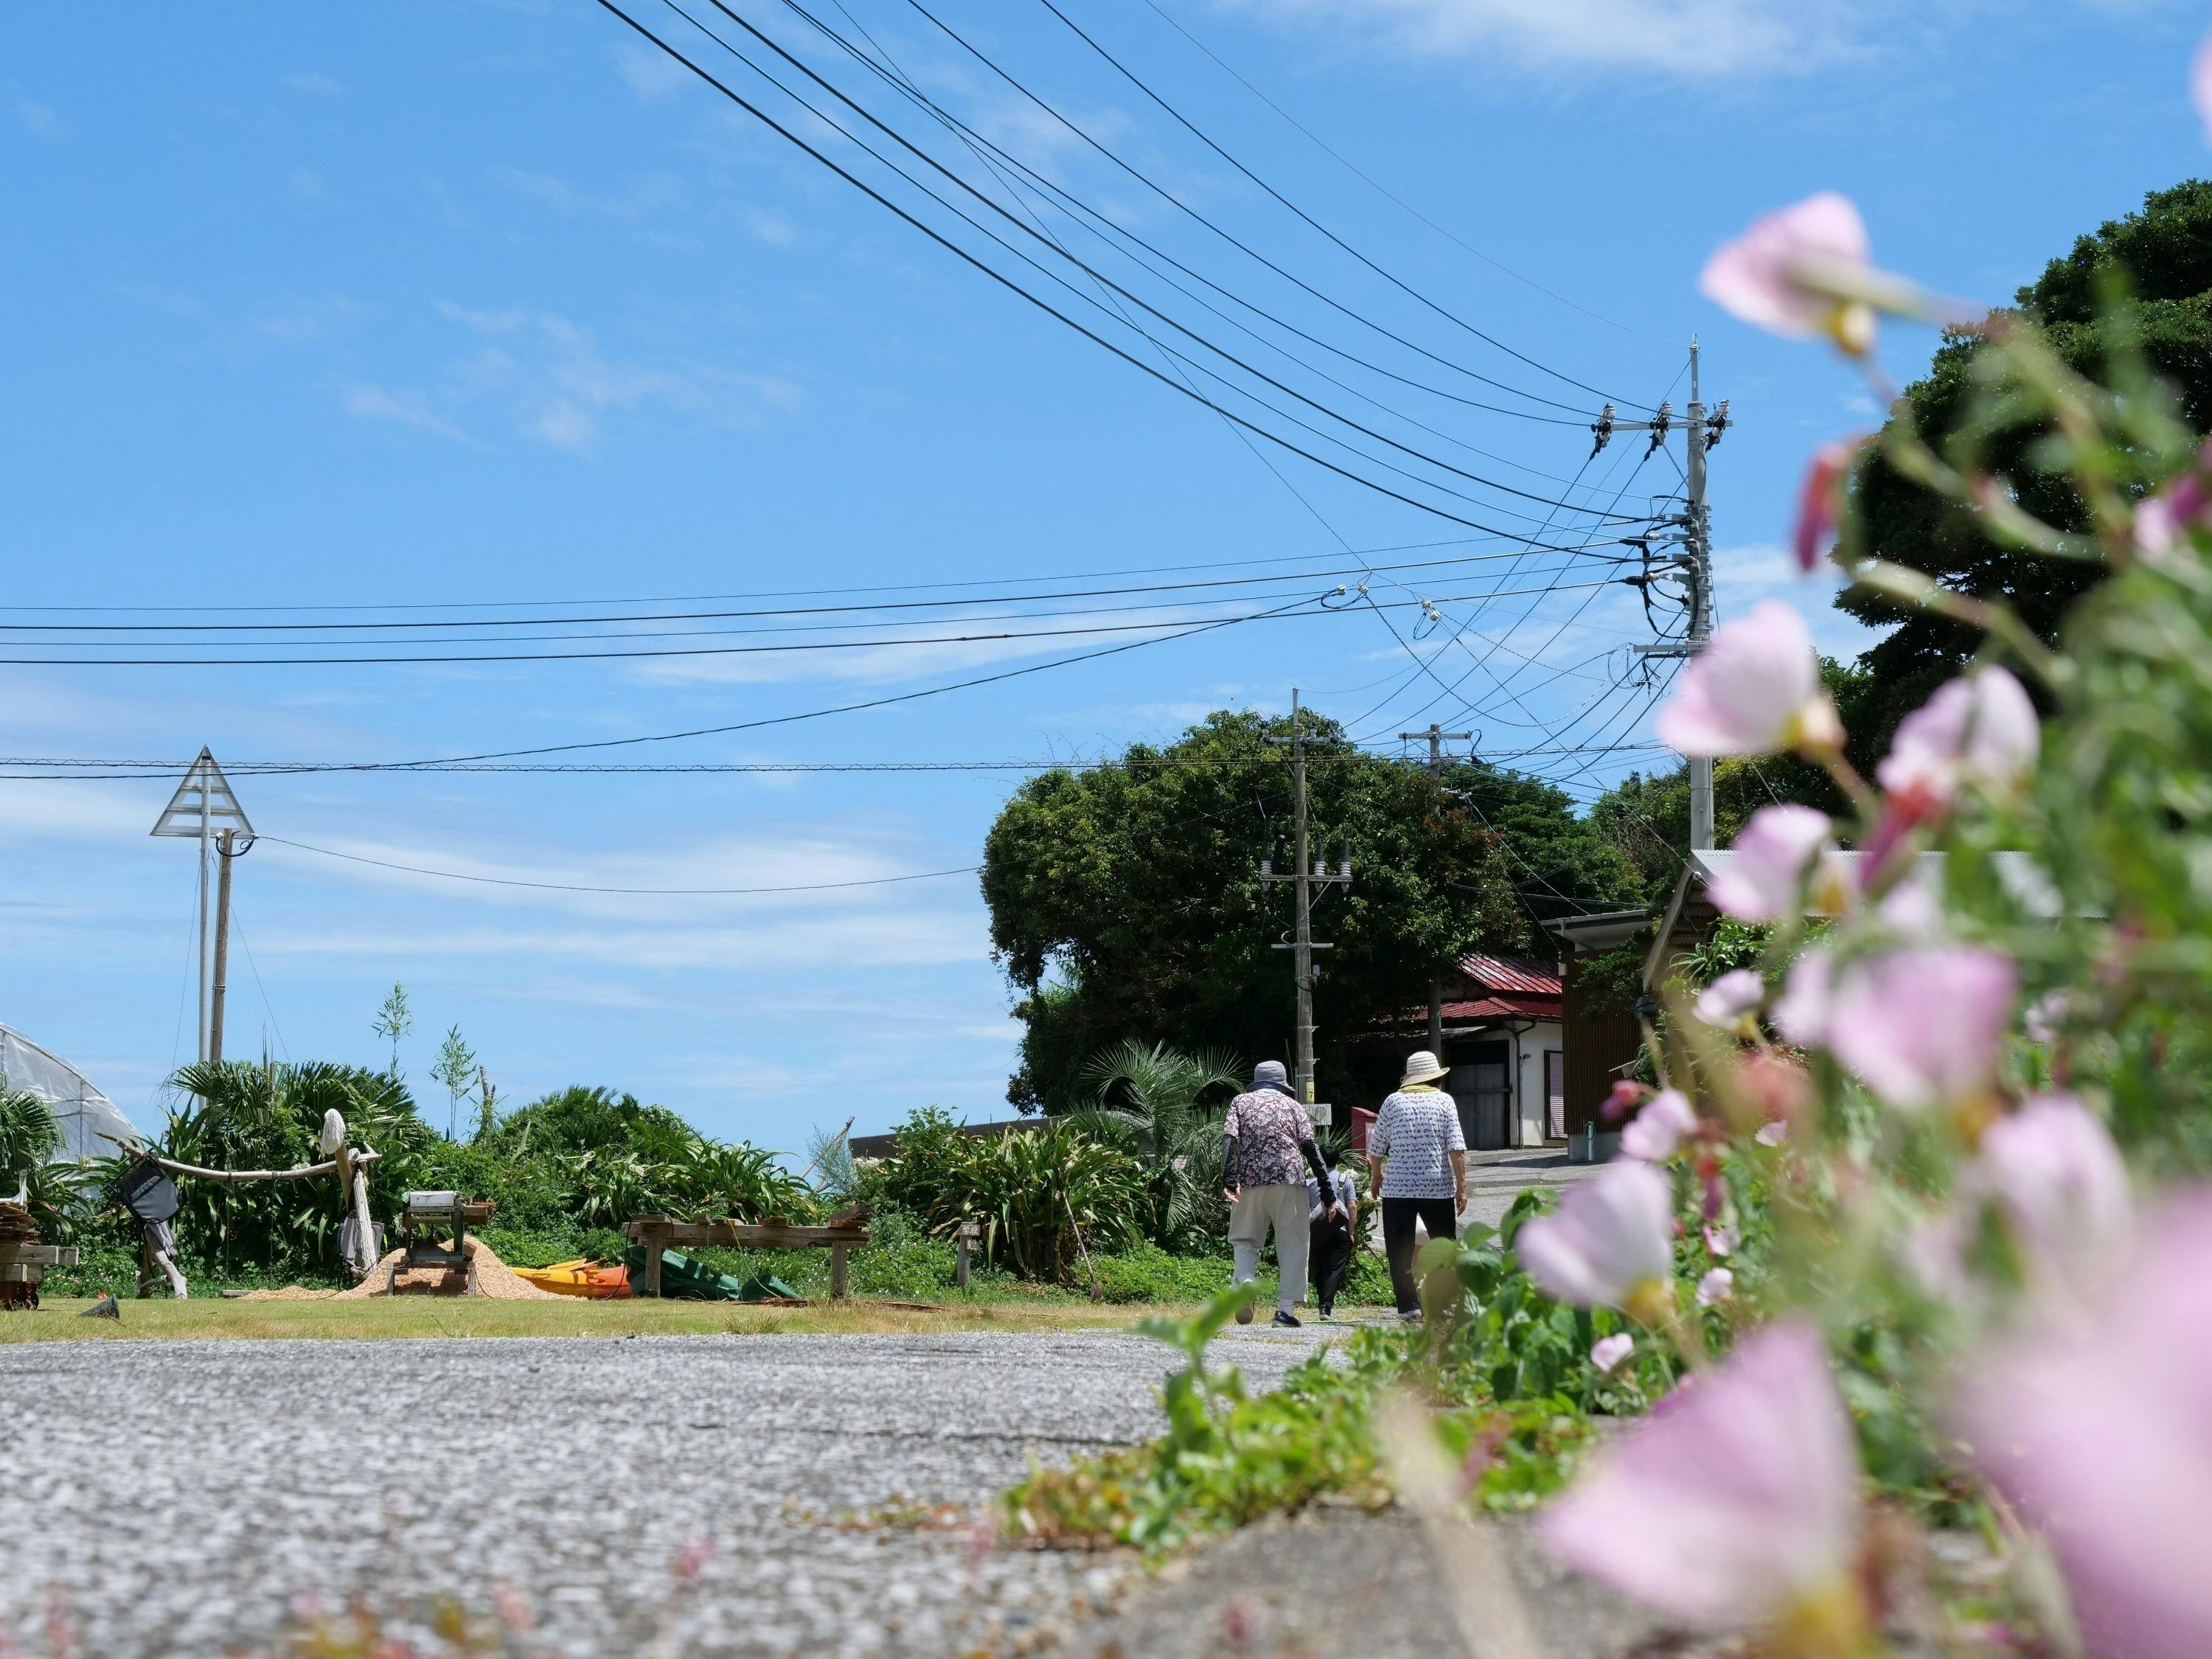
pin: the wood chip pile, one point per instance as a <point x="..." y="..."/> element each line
<point x="495" y="1281"/>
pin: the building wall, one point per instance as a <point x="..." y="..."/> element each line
<point x="1521" y="1052"/>
<point x="1530" y="1099"/>
<point x="1598" y="1044"/>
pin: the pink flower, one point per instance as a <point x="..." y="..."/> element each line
<point x="1624" y="1098"/>
<point x="1754" y="689"/>
<point x="1772" y="1134"/>
<point x="1721" y="1240"/>
<point x="1921" y="1026"/>
<point x="1660" y="1127"/>
<point x="1764" y="878"/>
<point x="2058" y="1182"/>
<point x="1800" y="272"/>
<point x="1738" y="1497"/>
<point x="2102" y="1438"/>
<point x="1801" y="1013"/>
<point x="1979" y="729"/>
<point x="1717" y="1286"/>
<point x="2200" y="82"/>
<point x="1607" y="1352"/>
<point x="1731" y="999"/>
<point x="1821" y="499"/>
<point x="2046" y="1017"/>
<point x="2180" y="508"/>
<point x="1610" y="1243"/>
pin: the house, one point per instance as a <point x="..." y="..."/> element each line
<point x="1601" y="1034"/>
<point x="1502" y="1043"/>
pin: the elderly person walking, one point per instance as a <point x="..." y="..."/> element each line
<point x="1416" y="1165"/>
<point x="1264" y="1137"/>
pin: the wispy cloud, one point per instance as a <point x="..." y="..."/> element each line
<point x="409" y="409"/>
<point x="639" y="198"/>
<point x="39" y="119"/>
<point x="653" y="76"/>
<point x="1690" y="39"/>
<point x="313" y="82"/>
<point x="557" y="385"/>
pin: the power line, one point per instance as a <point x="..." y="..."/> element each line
<point x="1087" y="270"/>
<point x="1411" y="292"/>
<point x="1392" y="196"/>
<point x="1117" y="235"/>
<point x="666" y="892"/>
<point x="666" y="652"/>
<point x="962" y="602"/>
<point x="986" y="269"/>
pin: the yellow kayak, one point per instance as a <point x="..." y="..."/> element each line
<point x="582" y="1277"/>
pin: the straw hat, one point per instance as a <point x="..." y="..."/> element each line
<point x="1421" y="1067"/>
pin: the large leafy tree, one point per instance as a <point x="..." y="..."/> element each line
<point x="2162" y="258"/>
<point x="1126" y="900"/>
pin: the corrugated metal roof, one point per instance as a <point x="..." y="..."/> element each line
<point x="1503" y="1007"/>
<point x="1513" y="975"/>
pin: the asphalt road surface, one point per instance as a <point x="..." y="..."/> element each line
<point x="178" y="1498"/>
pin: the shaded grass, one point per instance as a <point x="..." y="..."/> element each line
<point x="59" y="1320"/>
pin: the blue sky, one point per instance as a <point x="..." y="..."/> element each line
<point x="430" y="304"/>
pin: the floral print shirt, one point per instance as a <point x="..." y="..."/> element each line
<point x="1267" y="1127"/>
<point x="1415" y="1134"/>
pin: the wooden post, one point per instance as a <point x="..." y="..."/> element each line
<point x="653" y="1246"/>
<point x="145" y="1263"/>
<point x="837" y="1272"/>
<point x="225" y="859"/>
<point x="960" y="1263"/>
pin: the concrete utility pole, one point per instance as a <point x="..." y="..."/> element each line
<point x="1307" y="876"/>
<point x="1701" y="431"/>
<point x="227" y="852"/>
<point x="1437" y="737"/>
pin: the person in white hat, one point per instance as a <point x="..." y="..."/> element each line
<point x="1267" y="1134"/>
<point x="1417" y="1166"/>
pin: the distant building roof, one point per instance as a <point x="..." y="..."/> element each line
<point x="1512" y="975"/>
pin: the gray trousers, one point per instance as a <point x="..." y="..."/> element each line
<point x="1283" y="1208"/>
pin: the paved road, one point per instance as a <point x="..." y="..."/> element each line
<point x="173" y="1496"/>
<point x="1494" y="1180"/>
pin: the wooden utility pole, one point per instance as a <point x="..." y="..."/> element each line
<point x="1437" y="737"/>
<point x="227" y="852"/>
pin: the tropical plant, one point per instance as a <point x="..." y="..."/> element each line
<point x="455" y="1067"/>
<point x="1042" y="1197"/>
<point x="394" y="1020"/>
<point x="29" y="1136"/>
<point x="1149" y="1100"/>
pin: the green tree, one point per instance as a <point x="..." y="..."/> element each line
<point x="2163" y="255"/>
<point x="1127" y="899"/>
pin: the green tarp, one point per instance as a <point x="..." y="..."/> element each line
<point x="693" y="1281"/>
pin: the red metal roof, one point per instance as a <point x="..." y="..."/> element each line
<point x="1513" y="975"/>
<point x="1502" y="1008"/>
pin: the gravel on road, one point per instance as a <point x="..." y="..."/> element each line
<point x="174" y="1498"/>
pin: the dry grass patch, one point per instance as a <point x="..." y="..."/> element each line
<point x="262" y="1320"/>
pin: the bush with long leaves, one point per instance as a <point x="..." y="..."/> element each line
<point x="1151" y="1101"/>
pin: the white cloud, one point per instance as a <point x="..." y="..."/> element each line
<point x="1746" y="575"/>
<point x="653" y="76"/>
<point x="641" y="198"/>
<point x="40" y="120"/>
<point x="1691" y="39"/>
<point x="564" y="426"/>
<point x="376" y="402"/>
<point x="313" y="82"/>
<point x="305" y="185"/>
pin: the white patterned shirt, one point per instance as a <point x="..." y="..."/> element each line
<point x="1415" y="1134"/>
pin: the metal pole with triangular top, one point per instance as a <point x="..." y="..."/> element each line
<point x="202" y="803"/>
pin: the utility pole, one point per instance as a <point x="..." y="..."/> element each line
<point x="202" y="802"/>
<point x="227" y="851"/>
<point x="1305" y="877"/>
<point x="1701" y="431"/>
<point x="1437" y="737"/>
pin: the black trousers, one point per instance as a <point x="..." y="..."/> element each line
<point x="1328" y="1258"/>
<point x="1439" y="1215"/>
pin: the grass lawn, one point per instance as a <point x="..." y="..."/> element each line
<point x="59" y="1321"/>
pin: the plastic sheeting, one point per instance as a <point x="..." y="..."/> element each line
<point x="84" y="1112"/>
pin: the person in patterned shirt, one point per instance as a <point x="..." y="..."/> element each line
<point x="1265" y="1138"/>
<point x="1417" y="1166"/>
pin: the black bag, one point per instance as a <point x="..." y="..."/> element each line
<point x="147" y="1192"/>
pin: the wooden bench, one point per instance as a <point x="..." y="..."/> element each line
<point x="653" y="1234"/>
<point x="23" y="1268"/>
